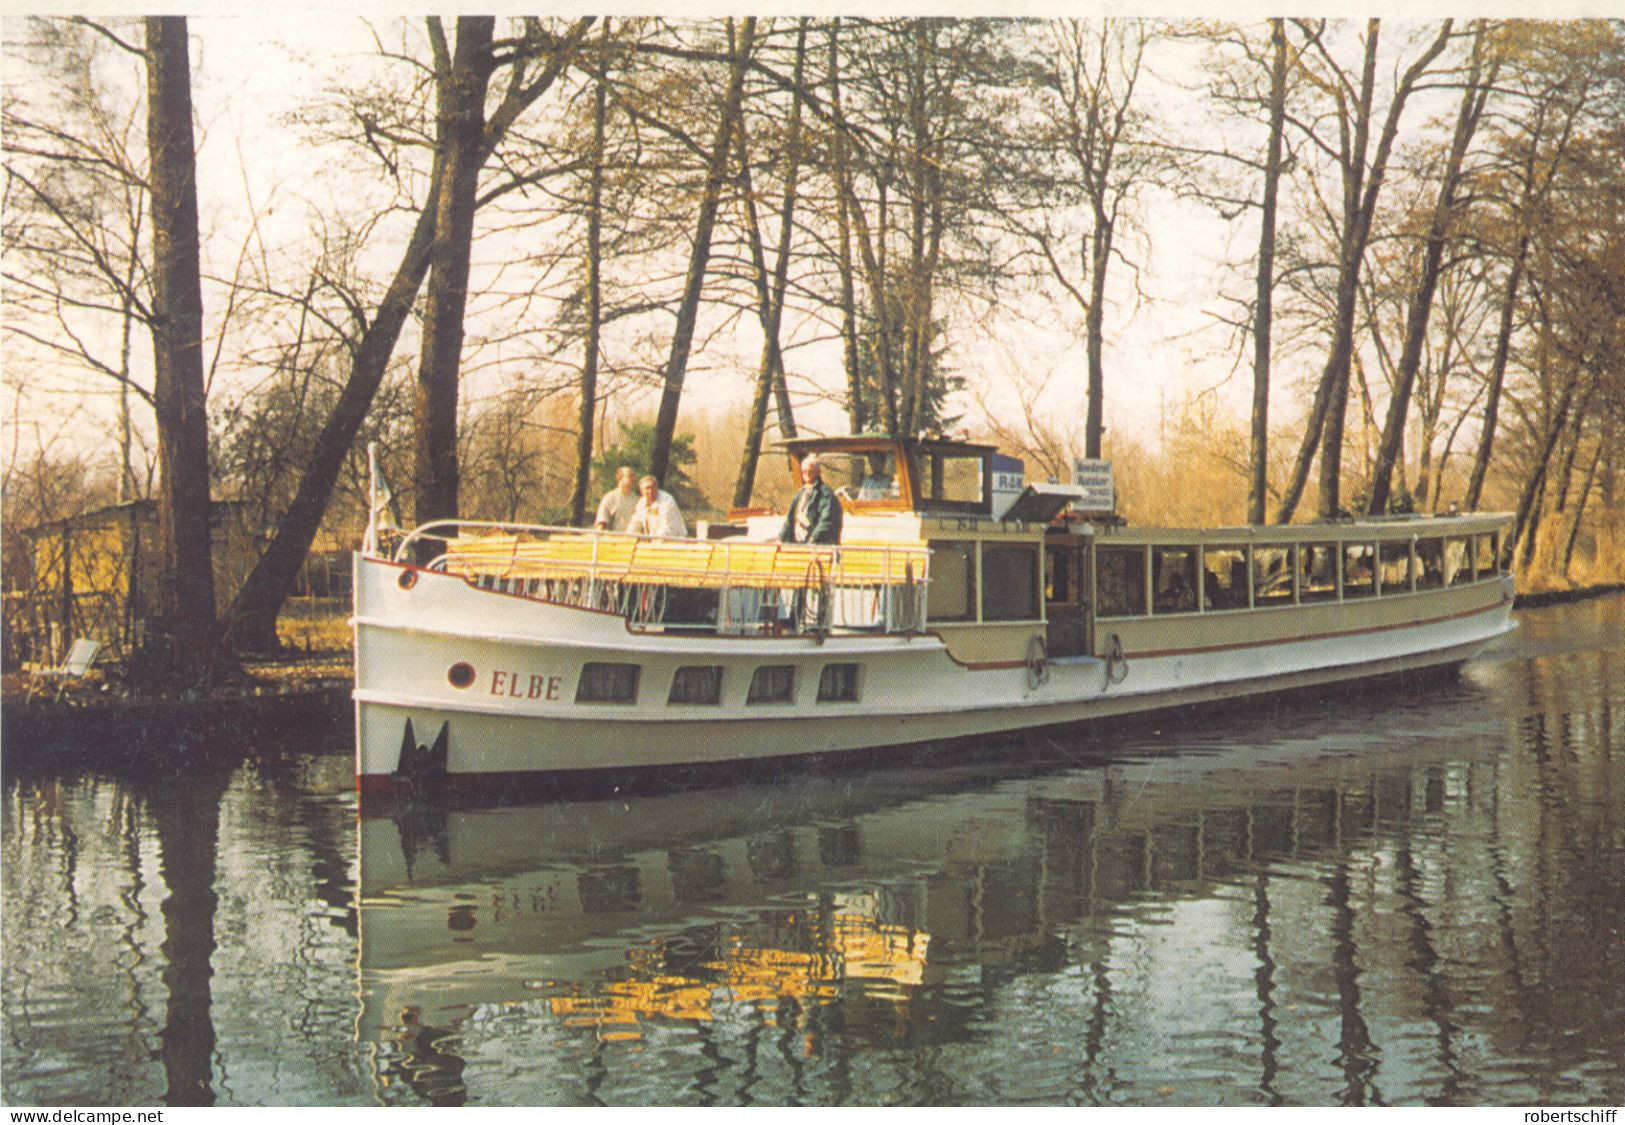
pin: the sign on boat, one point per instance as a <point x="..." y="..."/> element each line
<point x="956" y="604"/>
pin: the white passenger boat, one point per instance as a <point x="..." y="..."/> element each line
<point x="490" y="654"/>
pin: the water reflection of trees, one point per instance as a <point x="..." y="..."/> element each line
<point x="183" y="953"/>
<point x="1345" y="894"/>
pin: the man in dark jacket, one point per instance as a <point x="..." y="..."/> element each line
<point x="815" y="512"/>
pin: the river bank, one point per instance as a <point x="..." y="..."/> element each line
<point x="307" y="696"/>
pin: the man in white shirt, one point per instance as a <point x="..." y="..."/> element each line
<point x="615" y="509"/>
<point x="657" y="513"/>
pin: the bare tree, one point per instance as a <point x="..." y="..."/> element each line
<point x="688" y="310"/>
<point x="1361" y="172"/>
<point x="182" y="639"/>
<point x="536" y="61"/>
<point x="1481" y="75"/>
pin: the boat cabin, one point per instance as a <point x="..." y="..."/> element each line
<point x="944" y="536"/>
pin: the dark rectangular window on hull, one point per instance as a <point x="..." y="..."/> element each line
<point x="608" y="683"/>
<point x="773" y="683"/>
<point x="700" y="683"/>
<point x="838" y="683"/>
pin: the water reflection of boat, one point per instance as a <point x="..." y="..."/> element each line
<point x="612" y="920"/>
<point x="947" y="611"/>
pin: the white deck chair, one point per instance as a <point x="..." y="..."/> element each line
<point x="78" y="661"/>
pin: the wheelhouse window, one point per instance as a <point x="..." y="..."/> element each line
<point x="1174" y="571"/>
<point x="1120" y="581"/>
<point x="1317" y="572"/>
<point x="1009" y="582"/>
<point x="1396" y="566"/>
<point x="1272" y="576"/>
<point x="773" y="683"/>
<point x="697" y="684"/>
<point x="1359" y="570"/>
<point x="952" y="592"/>
<point x="1484" y="555"/>
<point x="1224" y="578"/>
<point x="608" y="683"/>
<point x="838" y="683"/>
<point x="1430" y="564"/>
<point x="952" y="480"/>
<point x="864" y="476"/>
<point x="1458" y="561"/>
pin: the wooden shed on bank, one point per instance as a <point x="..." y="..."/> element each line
<point x="93" y="575"/>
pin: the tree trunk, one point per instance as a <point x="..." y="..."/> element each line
<point x="688" y="310"/>
<point x="595" y="307"/>
<point x="1361" y="189"/>
<point x="460" y="83"/>
<point x="1498" y="370"/>
<point x="1264" y="311"/>
<point x="855" y="411"/>
<point x="771" y="371"/>
<point x="1421" y="306"/>
<point x="252" y="616"/>
<point x="1094" y="335"/>
<point x="1528" y="519"/>
<point x="1580" y="510"/>
<point x="182" y="639"/>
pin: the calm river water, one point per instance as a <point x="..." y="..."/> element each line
<point x="1409" y="897"/>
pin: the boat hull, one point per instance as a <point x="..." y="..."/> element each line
<point x="469" y="688"/>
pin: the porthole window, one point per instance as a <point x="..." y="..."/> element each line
<point x="460" y="674"/>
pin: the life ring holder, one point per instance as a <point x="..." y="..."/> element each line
<point x="1116" y="662"/>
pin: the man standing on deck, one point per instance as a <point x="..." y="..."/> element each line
<point x="657" y="513"/>
<point x="815" y="512"/>
<point x="615" y="509"/>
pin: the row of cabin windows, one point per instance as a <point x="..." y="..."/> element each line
<point x="1290" y="574"/>
<point x="1005" y="574"/>
<point x="701" y="684"/>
